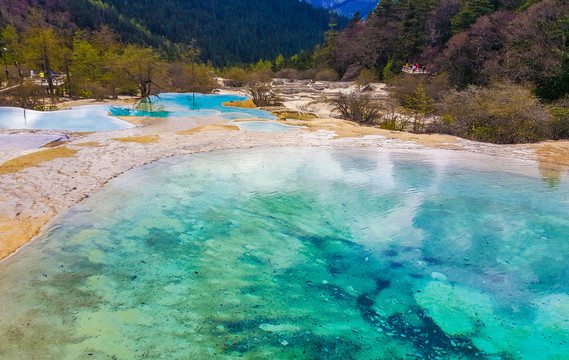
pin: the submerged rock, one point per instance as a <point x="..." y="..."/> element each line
<point x="438" y="276"/>
<point x="553" y="315"/>
<point x="456" y="309"/>
<point x="281" y="328"/>
<point x="465" y="312"/>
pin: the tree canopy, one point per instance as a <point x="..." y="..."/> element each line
<point x="474" y="42"/>
<point x="227" y="33"/>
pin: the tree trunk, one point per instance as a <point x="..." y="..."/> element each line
<point x="20" y="73"/>
<point x="68" y="76"/>
<point x="48" y="71"/>
<point x="144" y="87"/>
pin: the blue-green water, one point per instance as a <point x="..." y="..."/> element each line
<point x="300" y="253"/>
<point x="191" y="105"/>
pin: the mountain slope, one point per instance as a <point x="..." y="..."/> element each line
<point x="240" y="31"/>
<point x="346" y="7"/>
<point x="246" y="30"/>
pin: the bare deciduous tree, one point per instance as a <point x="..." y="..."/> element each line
<point x="262" y="94"/>
<point x="356" y="107"/>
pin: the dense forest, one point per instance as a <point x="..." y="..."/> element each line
<point x="233" y="32"/>
<point x="241" y="31"/>
<point x="346" y="7"/>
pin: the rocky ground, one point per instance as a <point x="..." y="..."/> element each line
<point x="39" y="182"/>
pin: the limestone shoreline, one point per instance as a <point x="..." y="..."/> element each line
<point x="36" y="185"/>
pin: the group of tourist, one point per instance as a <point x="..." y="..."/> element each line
<point x="42" y="74"/>
<point x="415" y="67"/>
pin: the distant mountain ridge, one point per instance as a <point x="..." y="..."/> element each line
<point x="240" y="31"/>
<point x="346" y="7"/>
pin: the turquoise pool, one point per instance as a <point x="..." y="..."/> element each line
<point x="296" y="253"/>
<point x="191" y="105"/>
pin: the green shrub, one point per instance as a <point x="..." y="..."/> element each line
<point x="28" y="96"/>
<point x="387" y="74"/>
<point x="128" y="89"/>
<point x="183" y="77"/>
<point x="394" y="121"/>
<point x="95" y="90"/>
<point x="365" y="77"/>
<point x="258" y="76"/>
<point x="326" y="75"/>
<point x="503" y="113"/>
<point x="43" y="107"/>
<point x="288" y="73"/>
<point x="234" y="77"/>
<point x="559" y="123"/>
<point x="403" y="86"/>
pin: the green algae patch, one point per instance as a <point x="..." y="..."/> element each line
<point x="146" y="139"/>
<point x="34" y="159"/>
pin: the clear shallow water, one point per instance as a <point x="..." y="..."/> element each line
<point x="82" y="118"/>
<point x="300" y="253"/>
<point x="264" y="126"/>
<point x="191" y="105"/>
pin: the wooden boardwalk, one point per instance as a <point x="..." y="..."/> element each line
<point x="409" y="70"/>
<point x="57" y="81"/>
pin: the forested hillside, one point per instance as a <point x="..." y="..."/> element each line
<point x="346" y="7"/>
<point x="473" y="42"/>
<point x="240" y="31"/>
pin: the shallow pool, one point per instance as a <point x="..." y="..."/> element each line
<point x="300" y="254"/>
<point x="82" y="118"/>
<point x="265" y="126"/>
<point x="191" y="105"/>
